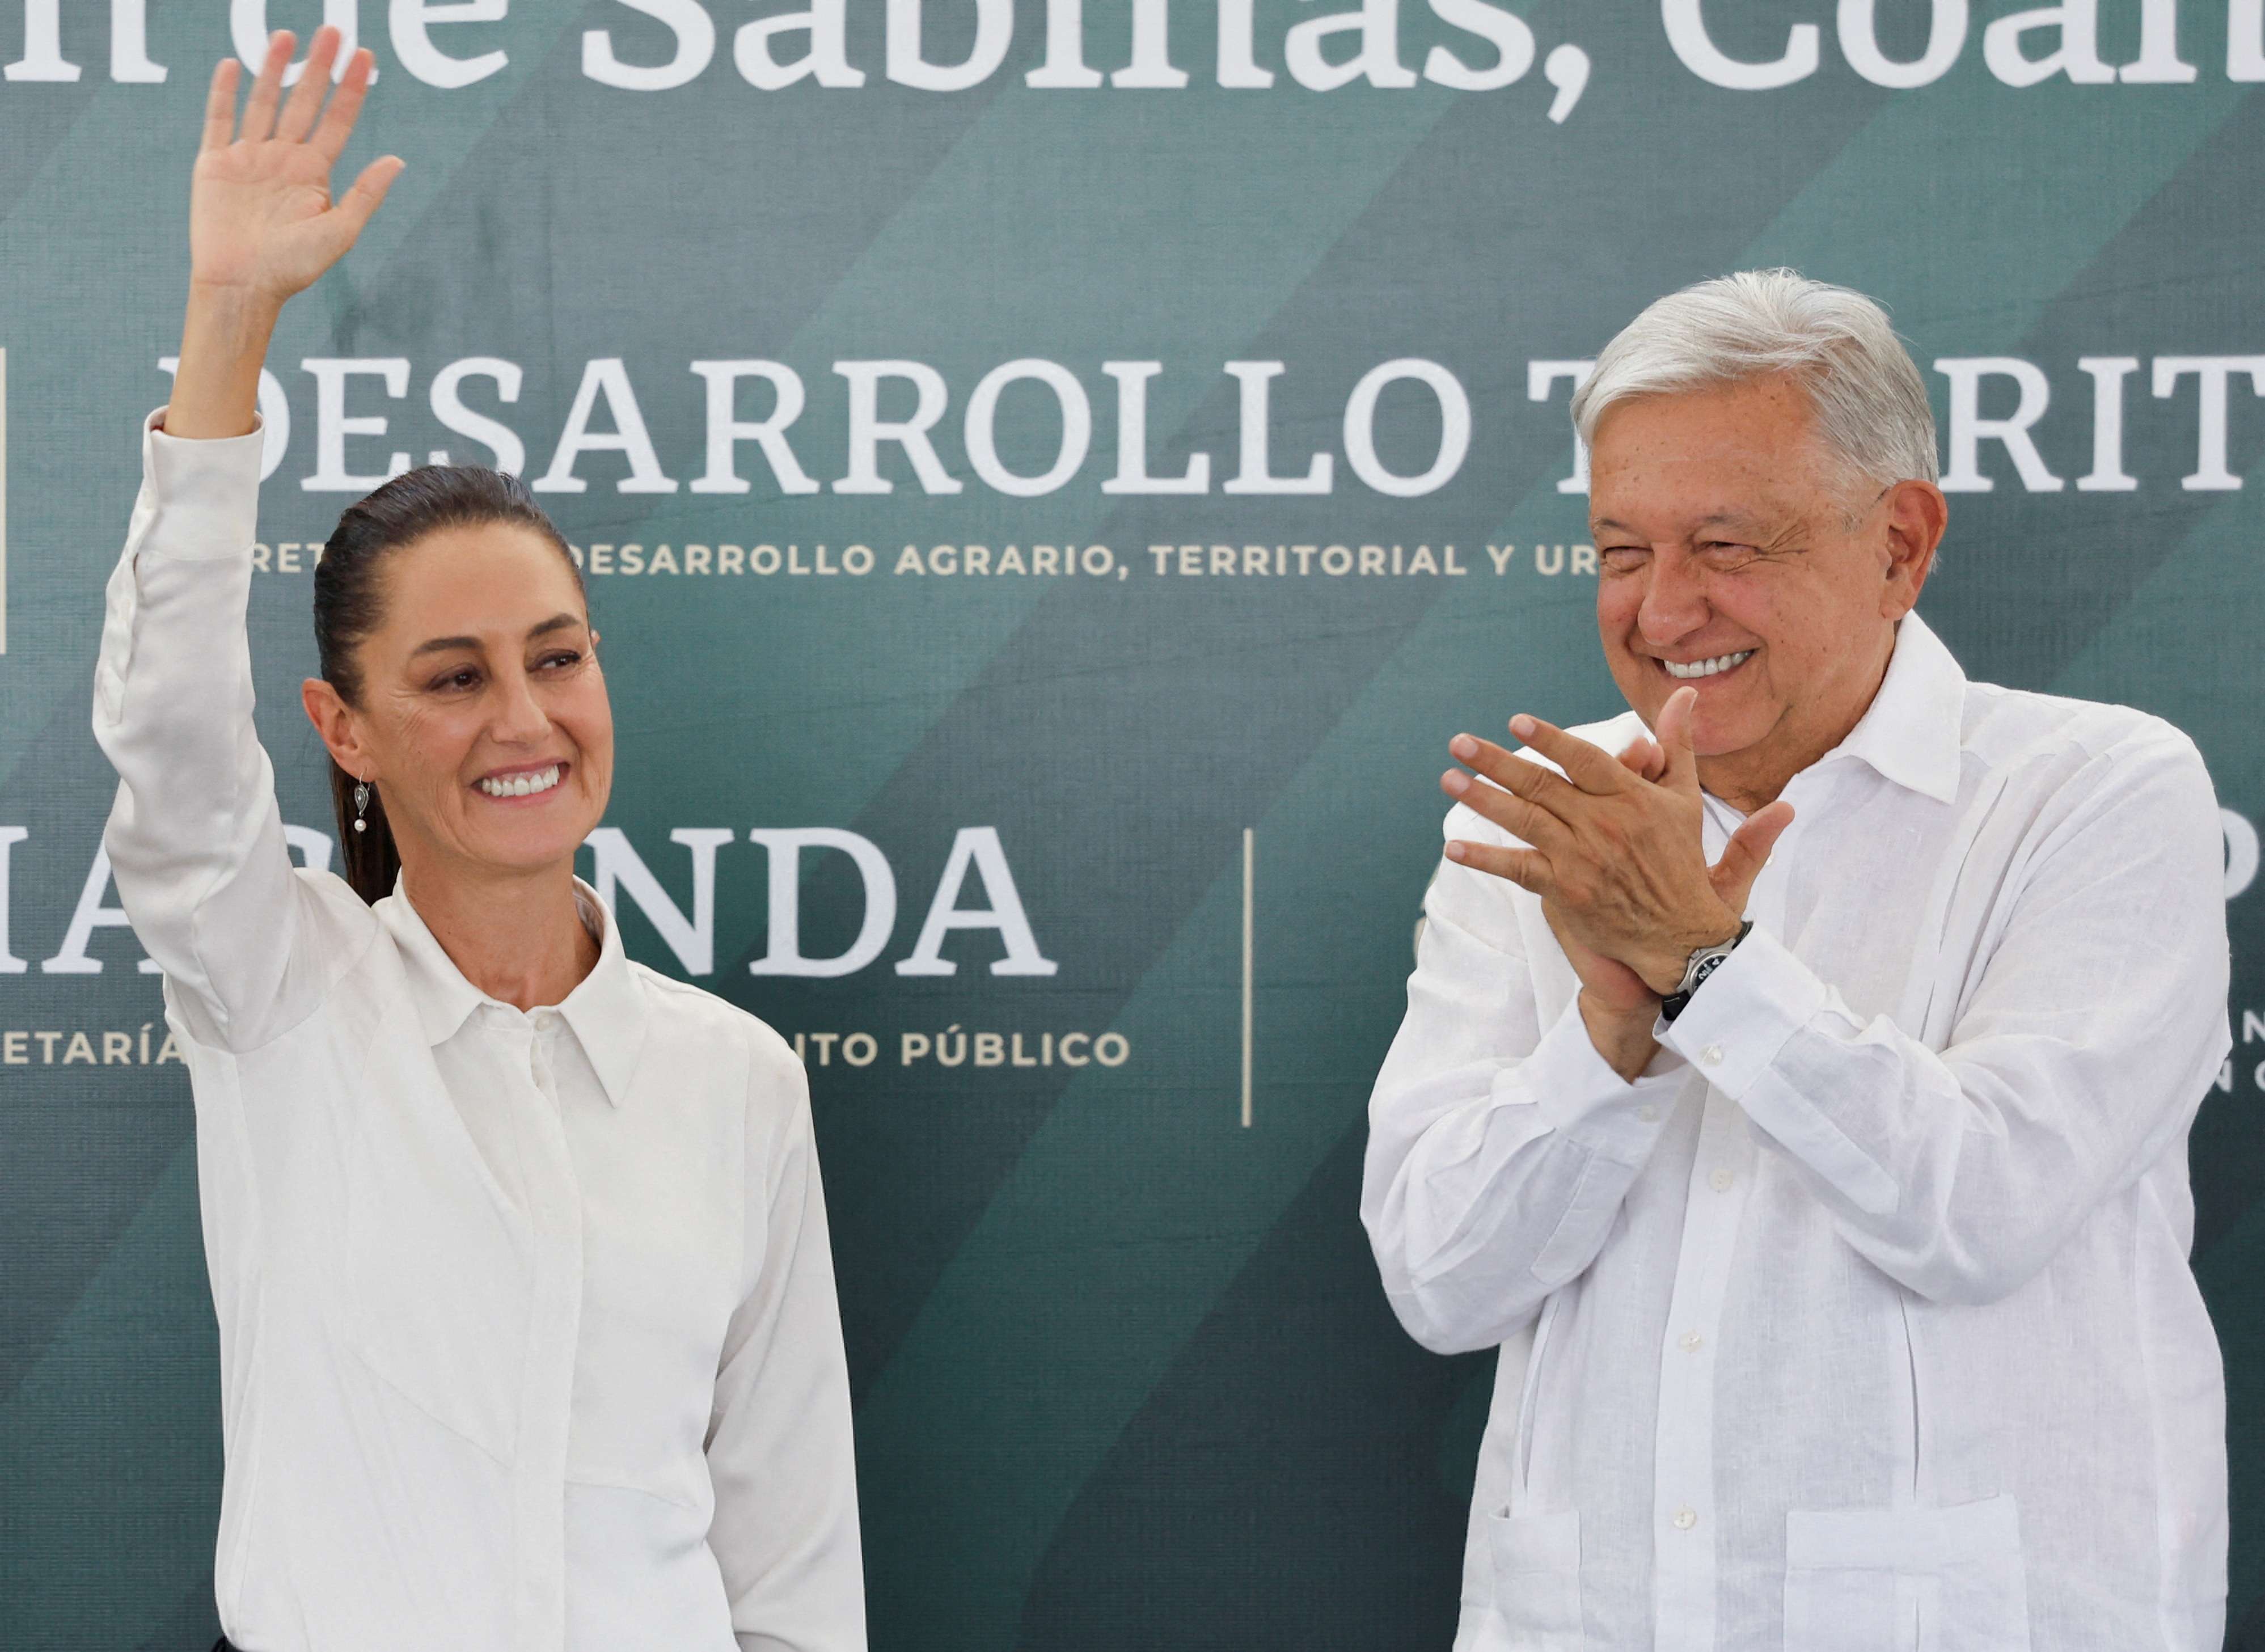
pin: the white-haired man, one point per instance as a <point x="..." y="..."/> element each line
<point x="1797" y="1071"/>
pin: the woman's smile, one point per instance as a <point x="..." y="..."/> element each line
<point x="523" y="784"/>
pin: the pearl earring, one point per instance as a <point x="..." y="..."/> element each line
<point x="362" y="801"/>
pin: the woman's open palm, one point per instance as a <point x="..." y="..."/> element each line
<point x="261" y="218"/>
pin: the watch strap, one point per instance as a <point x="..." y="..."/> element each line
<point x="1703" y="963"/>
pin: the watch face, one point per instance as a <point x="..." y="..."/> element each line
<point x="1706" y="967"/>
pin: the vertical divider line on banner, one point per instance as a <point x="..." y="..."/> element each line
<point x="1250" y="866"/>
<point x="3" y="501"/>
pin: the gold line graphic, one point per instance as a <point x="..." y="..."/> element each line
<point x="1249" y="867"/>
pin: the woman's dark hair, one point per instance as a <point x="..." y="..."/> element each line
<point x="349" y="605"/>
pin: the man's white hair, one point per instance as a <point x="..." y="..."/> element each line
<point x="1870" y="403"/>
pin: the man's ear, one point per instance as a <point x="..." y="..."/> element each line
<point x="1918" y="514"/>
<point x="334" y="722"/>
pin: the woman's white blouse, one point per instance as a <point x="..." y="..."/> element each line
<point x="527" y="1329"/>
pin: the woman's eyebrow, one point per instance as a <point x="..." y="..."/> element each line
<point x="439" y="644"/>
<point x="557" y="622"/>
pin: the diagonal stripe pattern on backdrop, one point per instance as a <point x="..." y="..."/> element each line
<point x="1104" y="1342"/>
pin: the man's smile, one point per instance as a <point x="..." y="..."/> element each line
<point x="1693" y="670"/>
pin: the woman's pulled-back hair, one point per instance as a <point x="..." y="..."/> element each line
<point x="349" y="605"/>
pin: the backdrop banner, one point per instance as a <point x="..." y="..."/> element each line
<point x="1051" y="478"/>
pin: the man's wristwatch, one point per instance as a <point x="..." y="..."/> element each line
<point x="1703" y="963"/>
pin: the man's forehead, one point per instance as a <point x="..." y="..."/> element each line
<point x="1746" y="432"/>
<point x="1758" y="513"/>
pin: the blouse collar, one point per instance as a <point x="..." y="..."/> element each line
<point x="606" y="1009"/>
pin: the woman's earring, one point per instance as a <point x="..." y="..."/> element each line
<point x="362" y="801"/>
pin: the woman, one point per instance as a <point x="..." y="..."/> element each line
<point x="527" y="1329"/>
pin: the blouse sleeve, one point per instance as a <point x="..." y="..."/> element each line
<point x="781" y="1455"/>
<point x="194" y="838"/>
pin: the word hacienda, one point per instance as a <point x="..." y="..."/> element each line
<point x="617" y="870"/>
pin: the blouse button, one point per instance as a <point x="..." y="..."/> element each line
<point x="1712" y="1055"/>
<point x="1720" y="1181"/>
<point x="1691" y="1342"/>
<point x="1649" y="1112"/>
<point x="1685" y="1518"/>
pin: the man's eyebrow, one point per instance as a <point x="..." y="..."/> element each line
<point x="1713" y="519"/>
<point x="441" y="644"/>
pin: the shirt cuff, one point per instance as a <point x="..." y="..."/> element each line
<point x="1742" y="1014"/>
<point x="208" y="492"/>
<point x="1587" y="1102"/>
<point x="1735" y="1030"/>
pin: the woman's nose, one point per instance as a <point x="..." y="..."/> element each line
<point x="519" y="716"/>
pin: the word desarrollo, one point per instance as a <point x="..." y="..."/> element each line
<point x="884" y="409"/>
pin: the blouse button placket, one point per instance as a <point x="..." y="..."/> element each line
<point x="546" y="1397"/>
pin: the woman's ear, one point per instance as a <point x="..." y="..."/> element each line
<point x="333" y="720"/>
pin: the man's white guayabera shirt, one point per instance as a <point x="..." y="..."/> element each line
<point x="527" y="1329"/>
<point x="1862" y="1320"/>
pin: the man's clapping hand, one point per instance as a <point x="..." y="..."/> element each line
<point x="1616" y="857"/>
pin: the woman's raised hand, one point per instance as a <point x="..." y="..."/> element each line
<point x="261" y="218"/>
<point x="262" y="222"/>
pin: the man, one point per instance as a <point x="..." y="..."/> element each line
<point x="1799" y="1092"/>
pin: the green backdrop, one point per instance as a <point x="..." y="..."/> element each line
<point x="1123" y="1376"/>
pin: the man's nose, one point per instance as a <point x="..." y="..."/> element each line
<point x="1674" y="601"/>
